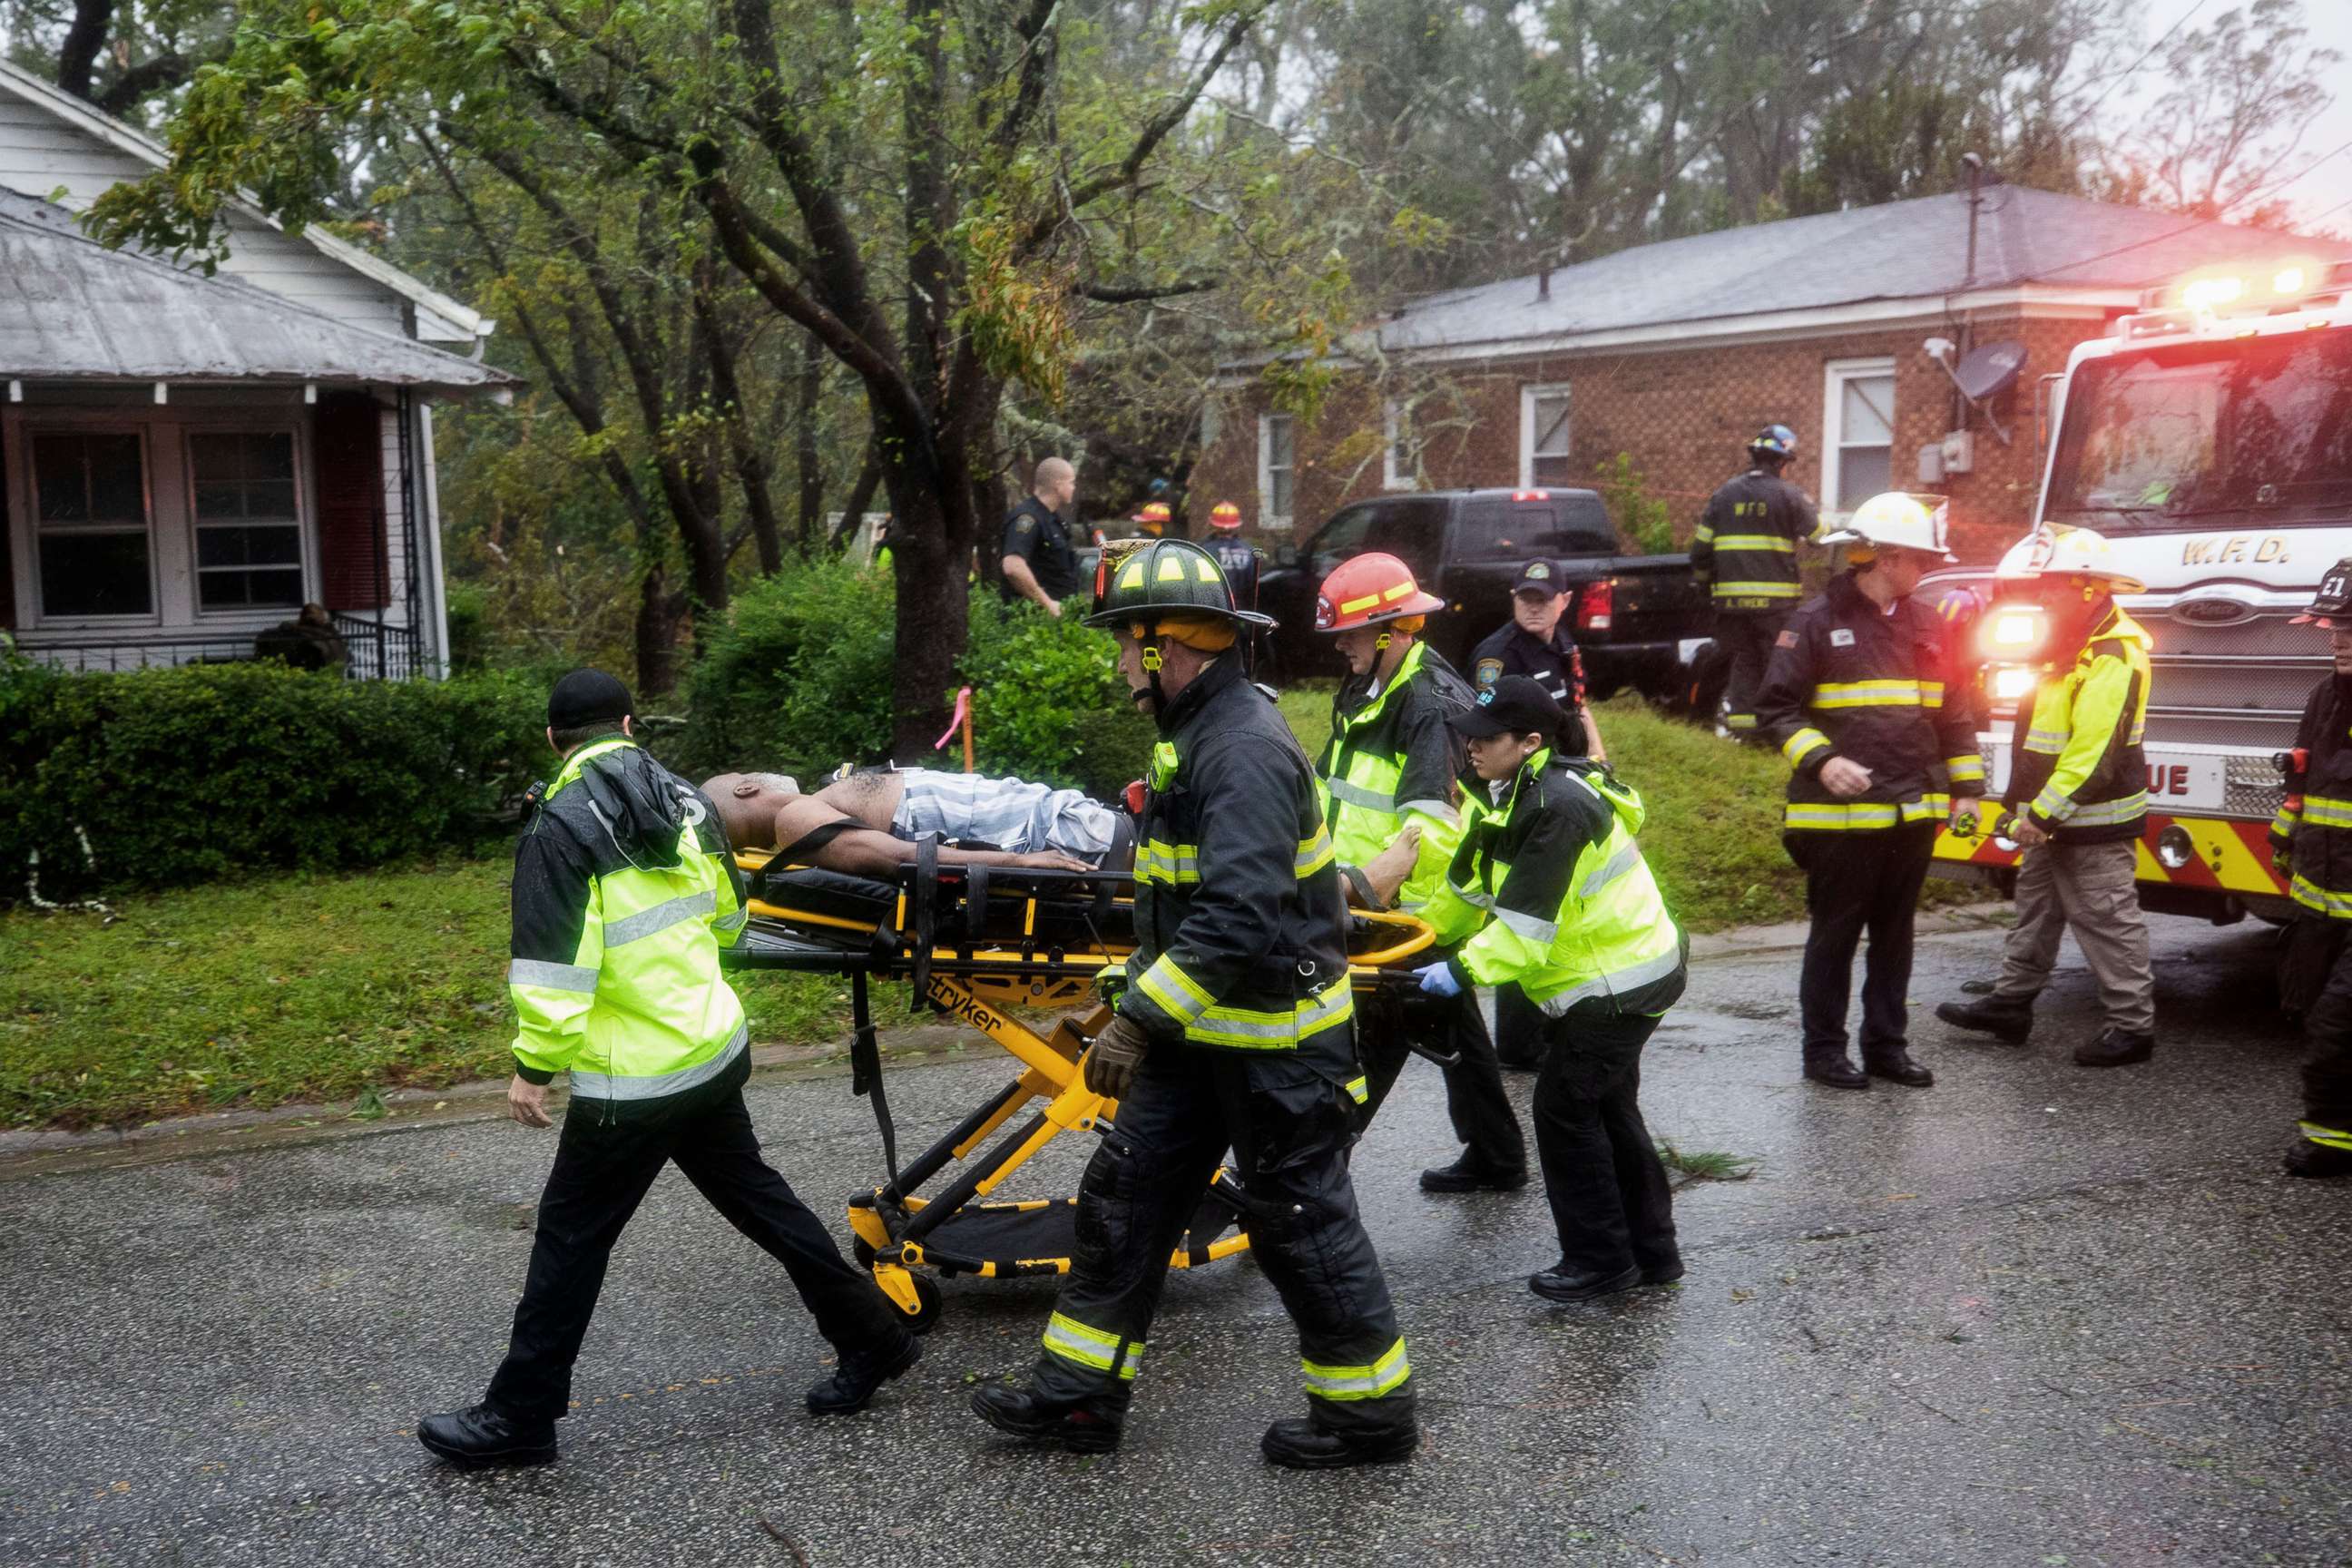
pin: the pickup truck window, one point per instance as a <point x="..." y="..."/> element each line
<point x="1406" y="527"/>
<point x="1496" y="528"/>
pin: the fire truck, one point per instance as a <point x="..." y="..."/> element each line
<point x="2208" y="436"/>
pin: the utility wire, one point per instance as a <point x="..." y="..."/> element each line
<point x="2132" y="69"/>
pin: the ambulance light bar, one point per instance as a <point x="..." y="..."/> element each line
<point x="2204" y="297"/>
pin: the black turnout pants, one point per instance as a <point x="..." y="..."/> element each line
<point x="1858" y="882"/>
<point x="1608" y="1192"/>
<point x="1745" y="636"/>
<point x="1289" y="1126"/>
<point x="2327" y="1076"/>
<point x="1480" y="1111"/>
<point x="604" y="1162"/>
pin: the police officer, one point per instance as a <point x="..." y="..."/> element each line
<point x="1745" y="555"/>
<point x="2078" y="797"/>
<point x="1040" y="563"/>
<point x="1549" y="893"/>
<point x="1235" y="1028"/>
<point x="2311" y="843"/>
<point x="1389" y="777"/>
<point x="624" y="891"/>
<point x="1235" y="556"/>
<point x="1858" y="699"/>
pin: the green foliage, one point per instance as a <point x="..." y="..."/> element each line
<point x="1647" y="522"/>
<point x="1047" y="701"/>
<point x="161" y="776"/>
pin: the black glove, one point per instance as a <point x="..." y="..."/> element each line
<point x="1117" y="1052"/>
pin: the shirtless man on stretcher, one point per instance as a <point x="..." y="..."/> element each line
<point x="866" y="825"/>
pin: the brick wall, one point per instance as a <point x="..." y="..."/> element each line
<point x="1684" y="417"/>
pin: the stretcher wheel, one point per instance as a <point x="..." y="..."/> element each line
<point x="927" y="1302"/>
<point x="862" y="1250"/>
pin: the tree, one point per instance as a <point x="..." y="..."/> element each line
<point x="115" y="54"/>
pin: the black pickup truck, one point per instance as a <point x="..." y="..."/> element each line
<point x="1639" y="619"/>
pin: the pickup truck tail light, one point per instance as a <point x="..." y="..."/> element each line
<point x="1596" y="604"/>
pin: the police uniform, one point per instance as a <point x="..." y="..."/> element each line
<point x="1745" y="555"/>
<point x="1850" y="679"/>
<point x="2311" y="843"/>
<point x="1036" y="534"/>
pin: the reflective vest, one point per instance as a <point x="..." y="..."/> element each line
<point x="2312" y="834"/>
<point x="1548" y="891"/>
<point x="1849" y="679"/>
<point x="1390" y="762"/>
<point x="1745" y="551"/>
<point x="1240" y="939"/>
<point x="2075" y="759"/>
<point x="625" y="890"/>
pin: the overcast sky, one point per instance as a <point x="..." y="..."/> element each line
<point x="2328" y="182"/>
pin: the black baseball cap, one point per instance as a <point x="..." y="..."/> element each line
<point x="587" y="697"/>
<point x="1514" y="705"/>
<point x="1541" y="577"/>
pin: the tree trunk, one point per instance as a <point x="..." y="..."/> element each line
<point x="804" y="445"/>
<point x="656" y="633"/>
<point x="932" y="620"/>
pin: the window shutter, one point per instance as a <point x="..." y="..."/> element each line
<point x="354" y="569"/>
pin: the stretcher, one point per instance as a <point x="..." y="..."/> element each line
<point x="975" y="942"/>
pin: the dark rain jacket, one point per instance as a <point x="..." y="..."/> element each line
<point x="1745" y="552"/>
<point x="2312" y="833"/>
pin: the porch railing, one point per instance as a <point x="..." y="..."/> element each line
<point x="375" y="652"/>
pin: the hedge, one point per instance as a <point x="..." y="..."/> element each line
<point x="161" y="776"/>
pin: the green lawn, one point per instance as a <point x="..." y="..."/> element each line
<point x="284" y="988"/>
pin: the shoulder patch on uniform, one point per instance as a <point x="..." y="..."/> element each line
<point x="1489" y="671"/>
<point x="1025" y="525"/>
<point x="1841" y="637"/>
<point x="1786" y="639"/>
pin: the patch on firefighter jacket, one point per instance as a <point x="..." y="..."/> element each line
<point x="1489" y="671"/>
<point x="1786" y="639"/>
<point x="1841" y="637"/>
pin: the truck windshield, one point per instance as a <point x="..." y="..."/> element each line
<point x="2164" y="436"/>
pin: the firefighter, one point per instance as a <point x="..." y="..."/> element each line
<point x="1389" y="792"/>
<point x="1549" y="893"/>
<point x="2311" y="843"/>
<point x="623" y="893"/>
<point x="1151" y="519"/>
<point x="2077" y="796"/>
<point x="1234" y="556"/>
<point x="1745" y="556"/>
<point x="1233" y="1028"/>
<point x="1858" y="700"/>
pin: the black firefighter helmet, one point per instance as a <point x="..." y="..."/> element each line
<point x="1154" y="577"/>
<point x="2331" y="607"/>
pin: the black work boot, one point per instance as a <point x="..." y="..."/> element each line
<point x="1468" y="1174"/>
<point x="2318" y="1161"/>
<point x="1296" y="1443"/>
<point x="2008" y="1022"/>
<point x="1665" y="1273"/>
<point x="1016" y="1411"/>
<point x="857" y="1373"/>
<point x="1893" y="1064"/>
<point x="1561" y="1282"/>
<point x="1837" y="1071"/>
<point x="2114" y="1048"/>
<point x="481" y="1438"/>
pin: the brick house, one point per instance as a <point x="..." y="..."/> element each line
<point x="1675" y="354"/>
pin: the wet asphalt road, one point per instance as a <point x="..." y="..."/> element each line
<point x="2033" y="1315"/>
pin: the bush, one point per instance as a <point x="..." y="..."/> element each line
<point x="1646" y="523"/>
<point x="159" y="776"/>
<point x="1047" y="701"/>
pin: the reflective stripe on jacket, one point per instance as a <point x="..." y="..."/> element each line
<point x="1745" y="552"/>
<point x="1559" y="897"/>
<point x="2075" y="761"/>
<point x="1849" y="679"/>
<point x="2312" y="834"/>
<point x="1240" y="928"/>
<point x="1392" y="763"/>
<point x="624" y="891"/>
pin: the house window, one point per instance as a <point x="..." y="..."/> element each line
<point x="1543" y="437"/>
<point x="248" y="532"/>
<point x="90" y="517"/>
<point x="1400" y="459"/>
<point x="1857" y="433"/>
<point x="1277" y="458"/>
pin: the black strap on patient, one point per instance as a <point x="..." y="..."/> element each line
<point x="865" y="1072"/>
<point x="804" y="848"/>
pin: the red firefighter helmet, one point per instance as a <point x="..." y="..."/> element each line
<point x="1224" y="517"/>
<point x="1368" y="589"/>
<point x="1153" y="519"/>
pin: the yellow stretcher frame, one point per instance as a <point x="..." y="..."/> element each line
<point x="978" y="984"/>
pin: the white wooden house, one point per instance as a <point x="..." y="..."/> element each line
<point x="185" y="461"/>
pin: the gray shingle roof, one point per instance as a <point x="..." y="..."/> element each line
<point x="69" y="309"/>
<point x="1902" y="250"/>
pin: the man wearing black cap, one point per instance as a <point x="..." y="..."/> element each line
<point x="2311" y="843"/>
<point x="624" y="891"/>
<point x="1536" y="644"/>
<point x="1549" y="892"/>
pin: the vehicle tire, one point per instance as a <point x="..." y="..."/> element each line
<point x="928" y="1301"/>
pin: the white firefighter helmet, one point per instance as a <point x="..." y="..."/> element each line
<point x="1896" y="519"/>
<point x="2067" y="553"/>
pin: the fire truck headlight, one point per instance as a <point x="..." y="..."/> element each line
<point x="2174" y="847"/>
<point x="2012" y="683"/>
<point x="2016" y="631"/>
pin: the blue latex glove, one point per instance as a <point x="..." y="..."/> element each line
<point x="1437" y="980"/>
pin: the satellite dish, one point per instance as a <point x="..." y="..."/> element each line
<point x="1985" y="372"/>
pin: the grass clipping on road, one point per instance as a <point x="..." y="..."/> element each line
<point x="323" y="988"/>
